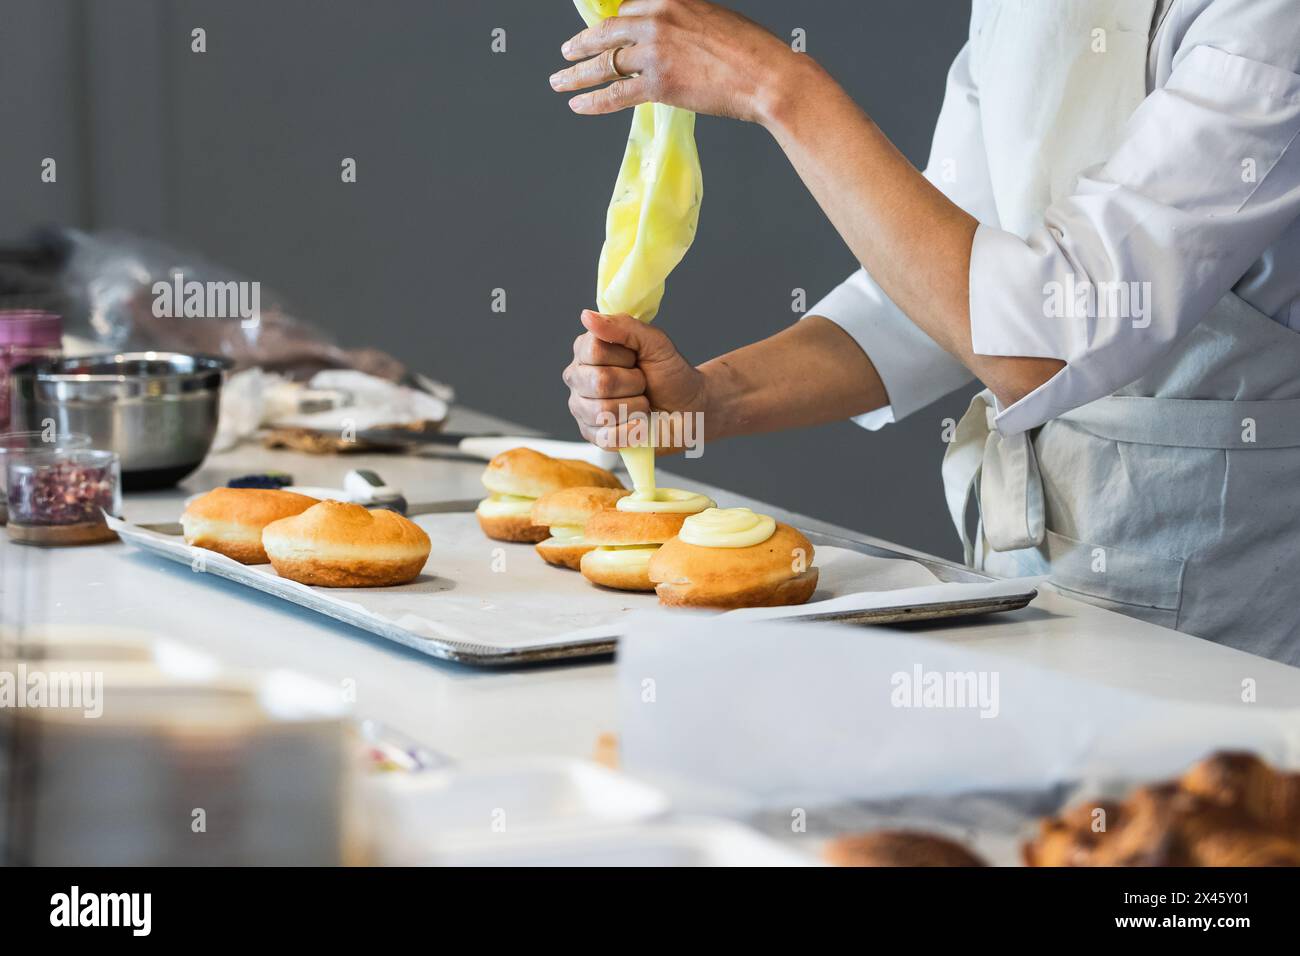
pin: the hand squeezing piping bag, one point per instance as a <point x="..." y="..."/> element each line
<point x="650" y="224"/>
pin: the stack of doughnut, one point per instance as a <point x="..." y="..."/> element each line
<point x="565" y="514"/>
<point x="624" y="542"/>
<point x="515" y="479"/>
<point x="326" y="543"/>
<point x="676" y="544"/>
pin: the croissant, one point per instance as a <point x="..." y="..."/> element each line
<point x="1243" y="780"/>
<point x="1230" y="809"/>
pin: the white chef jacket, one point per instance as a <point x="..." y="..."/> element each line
<point x="1223" y="80"/>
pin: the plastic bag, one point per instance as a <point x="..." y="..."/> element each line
<point x="651" y="221"/>
<point x="119" y="293"/>
<point x="656" y="203"/>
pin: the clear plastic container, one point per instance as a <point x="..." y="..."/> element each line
<point x="59" y="496"/>
<point x="26" y="335"/>
<point x="14" y="444"/>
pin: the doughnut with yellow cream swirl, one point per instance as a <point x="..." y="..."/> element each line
<point x="727" y="572"/>
<point x="727" y="528"/>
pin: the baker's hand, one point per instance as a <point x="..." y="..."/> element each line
<point x="685" y="53"/>
<point x="623" y="367"/>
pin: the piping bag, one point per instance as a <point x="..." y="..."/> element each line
<point x="650" y="224"/>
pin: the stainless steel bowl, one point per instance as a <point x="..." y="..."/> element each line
<point x="157" y="410"/>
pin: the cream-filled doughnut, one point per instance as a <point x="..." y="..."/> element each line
<point x="732" y="558"/>
<point x="665" y="501"/>
<point x="339" y="545"/>
<point x="230" y="520"/>
<point x="624" y="542"/>
<point x="727" y="528"/>
<point x="564" y="513"/>
<point x="517" y="478"/>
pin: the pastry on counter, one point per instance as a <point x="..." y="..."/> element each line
<point x="517" y="478"/>
<point x="1242" y="779"/>
<point x="564" y="513"/>
<point x="897" y="848"/>
<point x="728" y="558"/>
<point x="1231" y="809"/>
<point x="627" y="536"/>
<point x="339" y="545"/>
<point x="623" y="542"/>
<point x="230" y="520"/>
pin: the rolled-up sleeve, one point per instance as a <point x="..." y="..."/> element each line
<point x="1205" y="179"/>
<point x="915" y="370"/>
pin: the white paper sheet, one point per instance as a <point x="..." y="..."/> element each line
<point x="796" y="714"/>
<point x="475" y="591"/>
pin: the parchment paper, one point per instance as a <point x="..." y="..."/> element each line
<point x="730" y="716"/>
<point x="476" y="591"/>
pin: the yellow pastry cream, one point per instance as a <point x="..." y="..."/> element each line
<point x="640" y="464"/>
<point x="506" y="506"/>
<point x="727" y="528"/>
<point x="666" y="501"/>
<point x="650" y="224"/>
<point x="625" y="557"/>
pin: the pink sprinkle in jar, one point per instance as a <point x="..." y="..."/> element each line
<point x="60" y="496"/>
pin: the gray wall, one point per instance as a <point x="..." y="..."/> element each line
<point x="472" y="175"/>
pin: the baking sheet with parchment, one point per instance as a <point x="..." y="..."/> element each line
<point x="484" y="594"/>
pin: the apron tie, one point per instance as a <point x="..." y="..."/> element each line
<point x="1011" y="515"/>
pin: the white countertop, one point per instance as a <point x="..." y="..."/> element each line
<point x="559" y="710"/>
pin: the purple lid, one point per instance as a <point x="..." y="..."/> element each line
<point x="30" y="327"/>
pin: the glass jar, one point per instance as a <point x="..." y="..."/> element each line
<point x="59" y="496"/>
<point x="26" y="335"/>
<point x="22" y="443"/>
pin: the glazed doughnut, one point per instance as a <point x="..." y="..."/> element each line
<point x="565" y="513"/>
<point x="230" y="520"/>
<point x="338" y="545"/>
<point x="517" y="478"/>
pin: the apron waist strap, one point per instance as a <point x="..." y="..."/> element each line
<point x="1004" y="468"/>
<point x="1191" y="423"/>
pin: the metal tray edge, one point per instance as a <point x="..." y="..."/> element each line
<point x="447" y="650"/>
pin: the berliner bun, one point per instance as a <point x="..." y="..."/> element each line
<point x="565" y="512"/>
<point x="516" y="478"/>
<point x="338" y="545"/>
<point x="230" y="520"/>
<point x="501" y="524"/>
<point x="613" y="527"/>
<point x="623" y="544"/>
<point x="528" y="473"/>
<point x="774" y="573"/>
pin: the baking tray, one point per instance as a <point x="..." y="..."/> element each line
<point x="173" y="547"/>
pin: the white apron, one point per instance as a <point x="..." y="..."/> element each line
<point x="1177" y="499"/>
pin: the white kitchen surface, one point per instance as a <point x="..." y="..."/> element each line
<point x="545" y="710"/>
